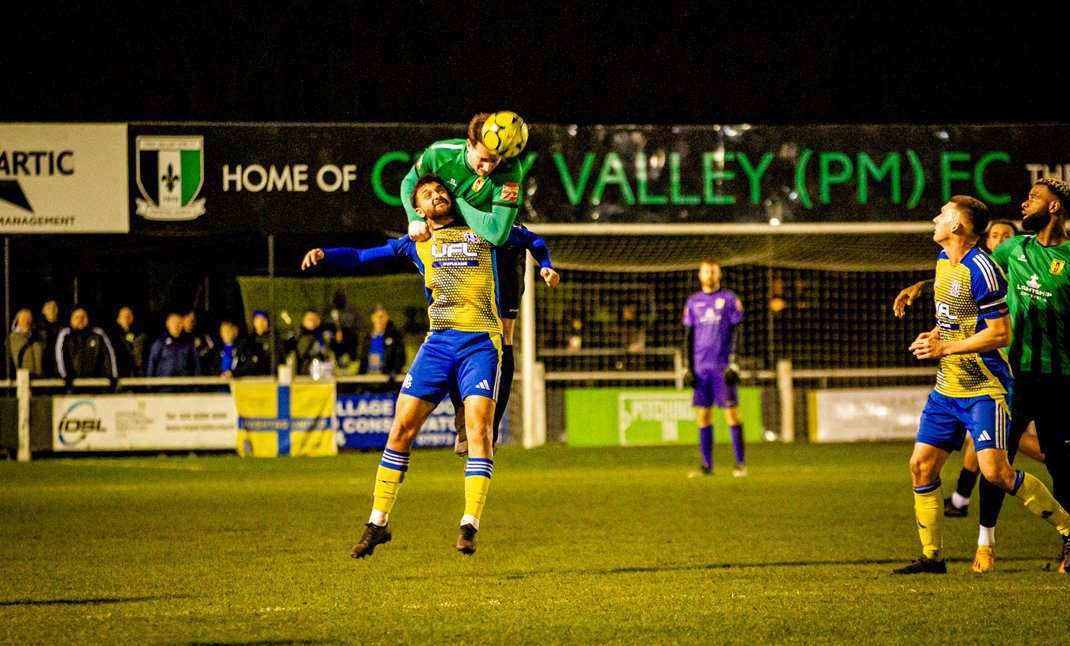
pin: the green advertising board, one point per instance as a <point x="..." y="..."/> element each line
<point x="648" y="416"/>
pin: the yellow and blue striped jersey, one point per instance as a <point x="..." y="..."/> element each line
<point x="460" y="272"/>
<point x="968" y="294"/>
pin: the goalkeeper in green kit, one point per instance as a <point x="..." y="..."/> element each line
<point x="486" y="183"/>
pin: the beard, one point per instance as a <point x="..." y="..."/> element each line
<point x="1036" y="222"/>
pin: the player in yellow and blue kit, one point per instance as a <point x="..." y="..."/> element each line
<point x="488" y="194"/>
<point x="463" y="347"/>
<point x="973" y="385"/>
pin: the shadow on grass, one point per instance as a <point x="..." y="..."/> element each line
<point x="88" y="602"/>
<point x="729" y="566"/>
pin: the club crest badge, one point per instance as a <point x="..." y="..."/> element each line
<point x="1056" y="268"/>
<point x="170" y="175"/>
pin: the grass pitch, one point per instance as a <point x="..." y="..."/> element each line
<point x="577" y="546"/>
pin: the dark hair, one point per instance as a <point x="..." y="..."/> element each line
<point x="1059" y="187"/>
<point x="975" y="210"/>
<point x="475" y="127"/>
<point x="1009" y="223"/>
<point x="426" y="179"/>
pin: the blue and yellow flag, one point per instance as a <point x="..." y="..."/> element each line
<point x="276" y="420"/>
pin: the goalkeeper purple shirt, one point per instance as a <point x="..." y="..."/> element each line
<point x="712" y="316"/>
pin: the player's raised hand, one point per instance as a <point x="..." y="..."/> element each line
<point x="311" y="258"/>
<point x="551" y="277"/>
<point x="418" y="231"/>
<point x="905" y="298"/>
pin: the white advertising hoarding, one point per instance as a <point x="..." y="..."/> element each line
<point x="64" y="178"/>
<point x="866" y="414"/>
<point x="144" y="422"/>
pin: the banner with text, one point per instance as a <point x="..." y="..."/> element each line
<point x="364" y="422"/>
<point x="648" y="416"/>
<point x="63" y="178"/>
<point x="865" y="414"/>
<point x="156" y="422"/>
<point x="276" y="420"/>
<point x="328" y="178"/>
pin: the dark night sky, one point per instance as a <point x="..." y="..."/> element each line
<point x="760" y="63"/>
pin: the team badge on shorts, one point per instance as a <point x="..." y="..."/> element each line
<point x="408" y="381"/>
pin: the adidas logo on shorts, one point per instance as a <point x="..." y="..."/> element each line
<point x="483" y="385"/>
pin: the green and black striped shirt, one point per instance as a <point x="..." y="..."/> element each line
<point x="1038" y="295"/>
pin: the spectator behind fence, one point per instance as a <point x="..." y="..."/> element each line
<point x="25" y="349"/>
<point x="129" y="342"/>
<point x="202" y="341"/>
<point x="261" y="337"/>
<point x="311" y="343"/>
<point x="83" y="351"/>
<point x="343" y="321"/>
<point x="48" y="331"/>
<point x="235" y="356"/>
<point x="174" y="354"/>
<point x="385" y="351"/>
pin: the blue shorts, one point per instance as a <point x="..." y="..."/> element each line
<point x="711" y="390"/>
<point x="472" y="360"/>
<point x="946" y="420"/>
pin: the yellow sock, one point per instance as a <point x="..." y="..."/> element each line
<point x="476" y="483"/>
<point x="388" y="479"/>
<point x="929" y="513"/>
<point x="475" y="496"/>
<point x="1037" y="499"/>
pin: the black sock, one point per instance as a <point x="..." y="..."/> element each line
<point x="967" y="481"/>
<point x="505" y="387"/>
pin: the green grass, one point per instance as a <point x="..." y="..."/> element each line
<point x="577" y="546"/>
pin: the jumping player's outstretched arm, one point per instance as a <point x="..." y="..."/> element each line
<point x="356" y="258"/>
<point x="534" y="243"/>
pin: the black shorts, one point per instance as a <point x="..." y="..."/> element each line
<point x="511" y="263"/>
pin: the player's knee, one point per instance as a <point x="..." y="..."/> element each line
<point x="1001" y="475"/>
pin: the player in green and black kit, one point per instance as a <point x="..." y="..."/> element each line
<point x="487" y="189"/>
<point x="1038" y="275"/>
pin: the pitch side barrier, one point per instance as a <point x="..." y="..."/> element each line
<point x="136" y="414"/>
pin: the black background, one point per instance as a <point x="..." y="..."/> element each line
<point x="583" y="63"/>
<point x="762" y="63"/>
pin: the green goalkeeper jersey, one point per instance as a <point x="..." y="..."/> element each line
<point x="1038" y="295"/>
<point x="489" y="204"/>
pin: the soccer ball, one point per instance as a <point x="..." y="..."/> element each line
<point x="505" y="134"/>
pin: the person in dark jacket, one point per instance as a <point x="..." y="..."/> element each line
<point x="129" y="342"/>
<point x="173" y="354"/>
<point x="384" y="351"/>
<point x="83" y="351"/>
<point x="235" y="356"/>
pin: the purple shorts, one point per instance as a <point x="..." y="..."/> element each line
<point x="711" y="391"/>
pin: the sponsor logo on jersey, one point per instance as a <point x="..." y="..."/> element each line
<point x="1056" y="268"/>
<point x="1032" y="282"/>
<point x="944" y="310"/>
<point x="419" y="162"/>
<point x="510" y="192"/>
<point x="449" y="250"/>
<point x="478" y="184"/>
